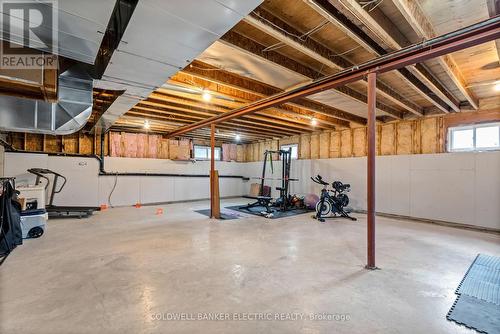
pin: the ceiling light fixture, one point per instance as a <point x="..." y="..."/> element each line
<point x="314" y="122"/>
<point x="206" y="95"/>
<point x="497" y="87"/>
<point x="237" y="137"/>
<point x="147" y="125"/>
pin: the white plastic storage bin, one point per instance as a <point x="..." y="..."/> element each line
<point x="33" y="223"/>
<point x="33" y="193"/>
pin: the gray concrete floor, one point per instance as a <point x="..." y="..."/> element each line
<point x="119" y="270"/>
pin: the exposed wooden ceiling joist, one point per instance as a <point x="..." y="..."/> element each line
<point x="259" y="90"/>
<point x="210" y="108"/>
<point x="413" y="14"/>
<point x="235" y="100"/>
<point x="170" y="124"/>
<point x="335" y="12"/>
<point x="250" y="46"/>
<point x="186" y="113"/>
<point x="285" y="33"/>
<point x="275" y="113"/>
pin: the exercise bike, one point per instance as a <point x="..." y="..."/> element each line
<point x="332" y="202"/>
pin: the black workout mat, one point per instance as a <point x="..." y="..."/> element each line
<point x="478" y="302"/>
<point x="475" y="314"/>
<point x="482" y="280"/>
<point x="225" y="215"/>
<point x="257" y="211"/>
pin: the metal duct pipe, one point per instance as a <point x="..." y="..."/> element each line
<point x="68" y="115"/>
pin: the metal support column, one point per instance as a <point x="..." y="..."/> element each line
<point x="212" y="168"/>
<point x="372" y="78"/>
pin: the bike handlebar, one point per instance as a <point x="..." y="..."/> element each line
<point x="319" y="180"/>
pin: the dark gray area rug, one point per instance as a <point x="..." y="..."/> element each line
<point x="478" y="302"/>
<point x="257" y="211"/>
<point x="225" y="214"/>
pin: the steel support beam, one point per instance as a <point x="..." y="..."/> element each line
<point x="476" y="34"/>
<point x="370" y="190"/>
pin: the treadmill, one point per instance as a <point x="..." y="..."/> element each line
<point x="56" y="211"/>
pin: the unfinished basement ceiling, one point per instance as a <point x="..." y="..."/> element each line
<point x="185" y="30"/>
<point x="235" y="60"/>
<point x="80" y="28"/>
<point x="283" y="44"/>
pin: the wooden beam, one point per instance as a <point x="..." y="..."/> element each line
<point x="285" y="33"/>
<point x="437" y="94"/>
<point x="204" y="107"/>
<point x="272" y="113"/>
<point x="259" y="90"/>
<point x="255" y="49"/>
<point x="214" y="179"/>
<point x="414" y="15"/>
<point x="173" y="122"/>
<point x="174" y="114"/>
<point x="234" y="101"/>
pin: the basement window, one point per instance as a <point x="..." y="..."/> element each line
<point x="295" y="150"/>
<point x="480" y="137"/>
<point x="205" y="153"/>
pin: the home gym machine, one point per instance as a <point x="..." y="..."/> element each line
<point x="56" y="210"/>
<point x="284" y="201"/>
<point x="333" y="203"/>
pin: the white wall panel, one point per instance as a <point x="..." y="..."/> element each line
<point x="459" y="187"/>
<point x="400" y="190"/>
<point x="487" y="189"/>
<point x="17" y="164"/>
<point x="82" y="186"/>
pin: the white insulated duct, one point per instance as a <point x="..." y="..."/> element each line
<point x="68" y="115"/>
<point x="78" y="28"/>
<point x="161" y="38"/>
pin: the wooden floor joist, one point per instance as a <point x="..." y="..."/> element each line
<point x="413" y="14"/>
<point x="282" y="31"/>
<point x="240" y="124"/>
<point x="438" y="95"/>
<point x="233" y="101"/>
<point x="255" y="49"/>
<point x="259" y="90"/>
<point x="207" y="108"/>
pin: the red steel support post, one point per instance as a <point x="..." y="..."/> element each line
<point x="212" y="167"/>
<point x="372" y="79"/>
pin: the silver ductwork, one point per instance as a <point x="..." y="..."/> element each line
<point x="74" y="30"/>
<point x="161" y="38"/>
<point x="68" y="115"/>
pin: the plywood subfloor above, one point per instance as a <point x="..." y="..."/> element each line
<point x="342" y="102"/>
<point x="240" y="62"/>
<point x="449" y="15"/>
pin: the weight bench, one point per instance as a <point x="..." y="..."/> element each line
<point x="264" y="201"/>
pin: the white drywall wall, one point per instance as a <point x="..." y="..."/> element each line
<point x="454" y="187"/>
<point x="86" y="188"/>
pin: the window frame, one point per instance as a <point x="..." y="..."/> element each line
<point x="291" y="145"/>
<point x="207" y="148"/>
<point x="474" y="128"/>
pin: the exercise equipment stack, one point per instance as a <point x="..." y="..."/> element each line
<point x="285" y="201"/>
